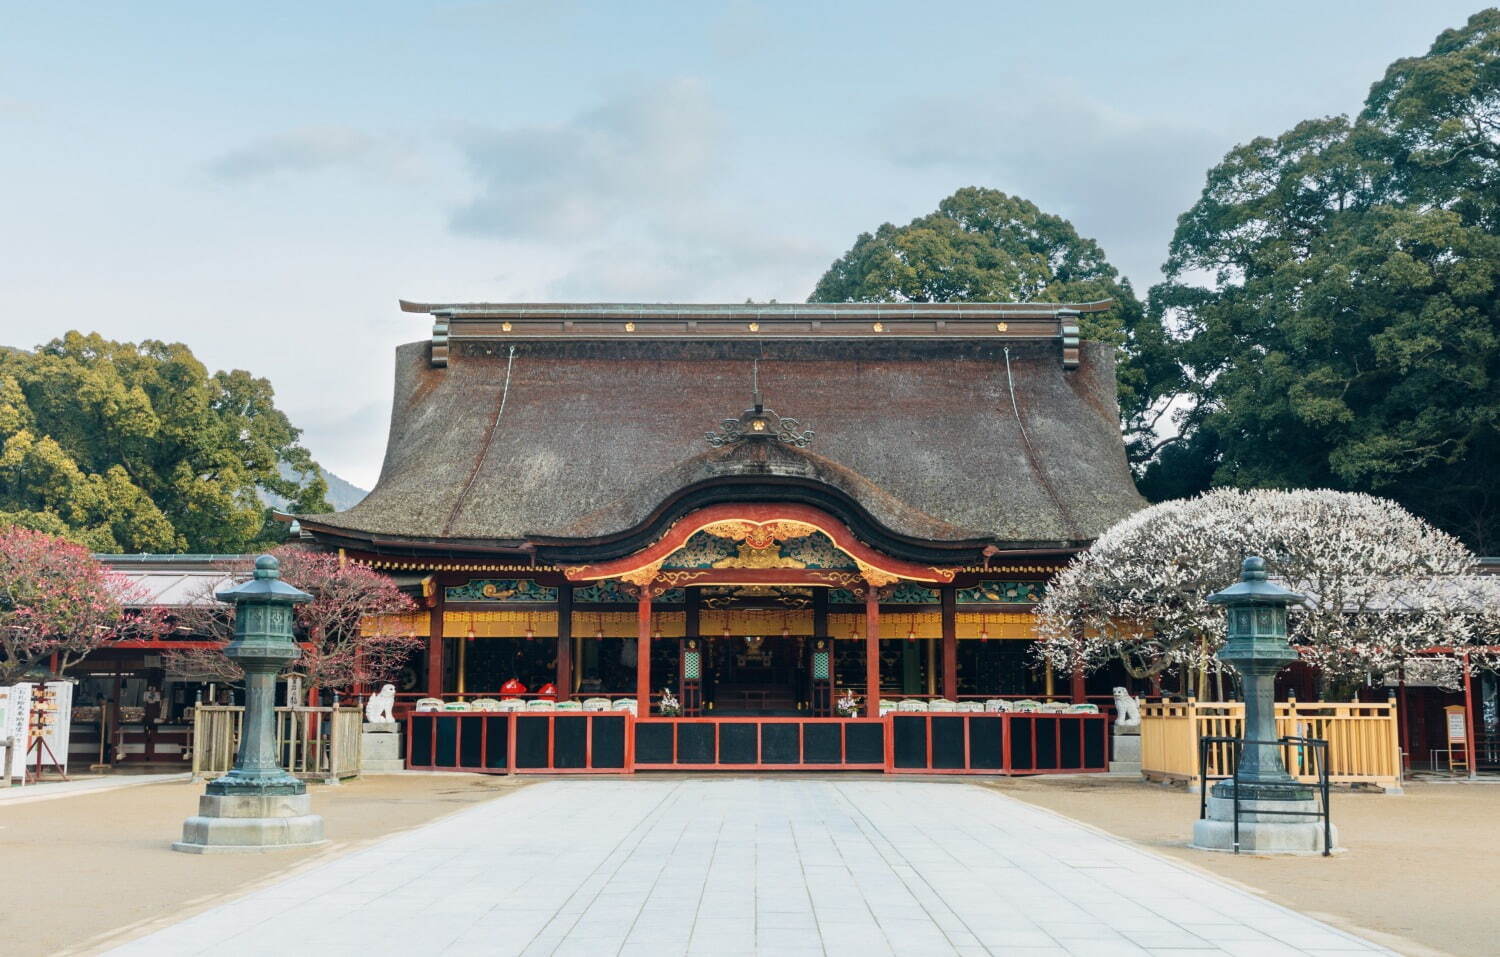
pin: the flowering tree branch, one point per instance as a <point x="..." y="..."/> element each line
<point x="57" y="600"/>
<point x="346" y="632"/>
<point x="1384" y="587"/>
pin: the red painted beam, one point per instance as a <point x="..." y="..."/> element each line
<point x="757" y="514"/>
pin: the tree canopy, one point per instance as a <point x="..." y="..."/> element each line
<point x="1384" y="585"/>
<point x="128" y="447"/>
<point x="981" y="245"/>
<point x="1334" y="296"/>
<point x="57" y="603"/>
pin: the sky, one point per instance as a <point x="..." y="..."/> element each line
<point x="263" y="181"/>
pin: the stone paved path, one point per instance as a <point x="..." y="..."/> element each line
<point x="780" y="866"/>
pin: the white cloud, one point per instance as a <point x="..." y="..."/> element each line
<point x="1120" y="179"/>
<point x="311" y="149"/>
<point x="630" y="199"/>
<point x="636" y="156"/>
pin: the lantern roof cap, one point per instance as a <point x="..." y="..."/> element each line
<point x="265" y="587"/>
<point x="1254" y="587"/>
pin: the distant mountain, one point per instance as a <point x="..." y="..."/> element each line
<point x="341" y="494"/>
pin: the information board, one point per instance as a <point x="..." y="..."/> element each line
<point x="17" y="708"/>
<point x="1458" y="731"/>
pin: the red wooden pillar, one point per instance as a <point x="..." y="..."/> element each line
<point x="1075" y="685"/>
<point x="1469" y="720"/>
<point x="949" y="616"/>
<point x="643" y="654"/>
<point x="564" y="680"/>
<point x="435" y="642"/>
<point x="872" y="653"/>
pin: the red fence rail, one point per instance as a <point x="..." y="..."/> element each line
<point x="761" y="744"/>
<point x="996" y="743"/>
<point x="616" y="742"/>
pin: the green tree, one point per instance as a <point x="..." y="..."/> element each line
<point x="982" y="245"/>
<point x="1333" y="297"/>
<point x="136" y="447"/>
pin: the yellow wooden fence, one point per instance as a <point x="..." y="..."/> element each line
<point x="318" y="743"/>
<point x="1363" y="739"/>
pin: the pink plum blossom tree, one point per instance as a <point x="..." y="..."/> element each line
<point x="57" y="600"/>
<point x="346" y="631"/>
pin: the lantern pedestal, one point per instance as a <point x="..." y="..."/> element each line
<point x="250" y="824"/>
<point x="1262" y="833"/>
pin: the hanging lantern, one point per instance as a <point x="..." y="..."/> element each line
<point x="984" y="632"/>
<point x="599" y="631"/>
<point x="911" y="631"/>
<point x="786" y="632"/>
<point x="470" y="633"/>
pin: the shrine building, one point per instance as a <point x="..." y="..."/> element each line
<point x="760" y="509"/>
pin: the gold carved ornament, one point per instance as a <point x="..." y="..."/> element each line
<point x="875" y="576"/>
<point x="751" y="556"/>
<point x="643" y="577"/>
<point x="678" y="578"/>
<point x="760" y="535"/>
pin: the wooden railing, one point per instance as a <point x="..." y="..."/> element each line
<point x="1363" y="739"/>
<point x="315" y="743"/>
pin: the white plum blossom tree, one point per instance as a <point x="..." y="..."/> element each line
<point x="1383" y="585"/>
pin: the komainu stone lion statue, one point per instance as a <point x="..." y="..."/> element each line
<point x="1127" y="713"/>
<point x="378" y="708"/>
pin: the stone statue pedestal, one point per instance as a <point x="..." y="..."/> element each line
<point x="251" y="823"/>
<point x="1125" y="753"/>
<point x="1262" y="833"/>
<point x="380" y="748"/>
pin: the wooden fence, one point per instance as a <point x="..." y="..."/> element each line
<point x="314" y="743"/>
<point x="1363" y="739"/>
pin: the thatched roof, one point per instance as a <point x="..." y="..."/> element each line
<point x="589" y="440"/>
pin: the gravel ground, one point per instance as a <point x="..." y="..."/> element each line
<point x="1420" y="874"/>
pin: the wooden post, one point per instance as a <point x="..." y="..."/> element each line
<point x="872" y="653"/>
<point x="1075" y="684"/>
<point x="1469" y="720"/>
<point x="950" y="642"/>
<point x="1403" y="735"/>
<point x="643" y="654"/>
<point x="435" y="643"/>
<point x="564" y="680"/>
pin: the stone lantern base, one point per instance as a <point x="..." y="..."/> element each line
<point x="1262" y="833"/>
<point x="250" y="824"/>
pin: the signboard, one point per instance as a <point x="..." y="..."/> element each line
<point x="1458" y="731"/>
<point x="17" y="710"/>
<point x="52" y="723"/>
<point x="59" y="722"/>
